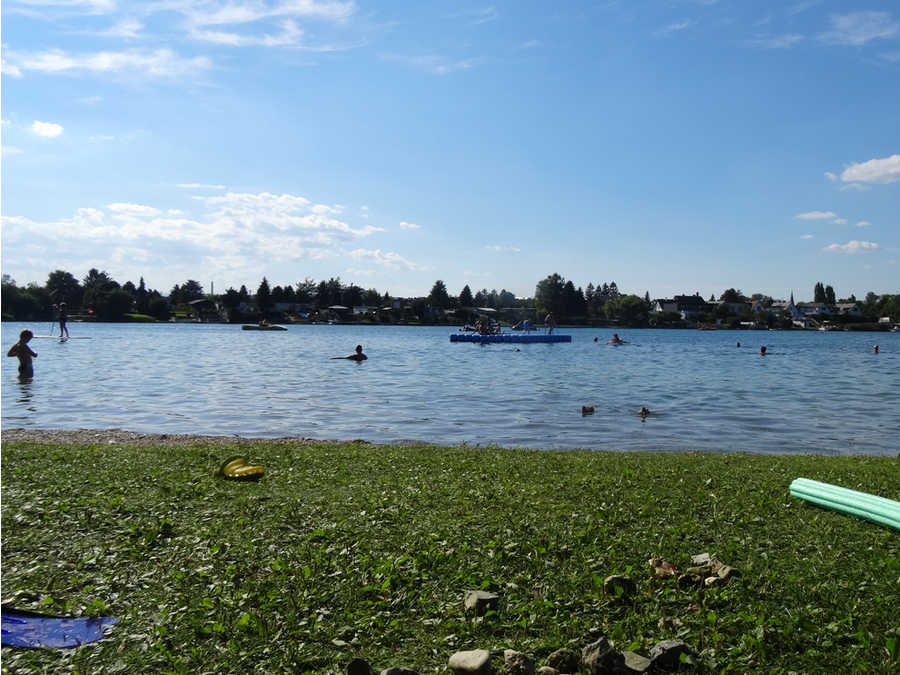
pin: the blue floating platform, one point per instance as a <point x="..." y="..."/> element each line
<point x="509" y="337"/>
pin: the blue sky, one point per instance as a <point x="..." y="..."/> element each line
<point x="672" y="146"/>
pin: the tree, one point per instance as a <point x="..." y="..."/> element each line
<point x="140" y="297"/>
<point x="351" y="296"/>
<point x="191" y="290"/>
<point x="231" y="299"/>
<point x="372" y="298"/>
<point x="263" y="296"/>
<point x="465" y="297"/>
<point x="732" y="295"/>
<point x="117" y="304"/>
<point x="97" y="286"/>
<point x="829" y="296"/>
<point x="549" y="295"/>
<point x="306" y="290"/>
<point x="629" y="310"/>
<point x="439" y="298"/>
<point x="819" y="292"/>
<point x="63" y="287"/>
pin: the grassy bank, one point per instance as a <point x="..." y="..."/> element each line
<point x="346" y="550"/>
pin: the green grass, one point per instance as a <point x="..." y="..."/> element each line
<point x="346" y="550"/>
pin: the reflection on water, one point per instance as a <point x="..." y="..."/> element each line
<point x="813" y="392"/>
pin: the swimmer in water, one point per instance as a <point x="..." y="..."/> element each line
<point x="615" y="340"/>
<point x="875" y="349"/>
<point x="762" y="350"/>
<point x="356" y="356"/>
<point x="24" y="353"/>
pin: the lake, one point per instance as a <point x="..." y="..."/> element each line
<point x="815" y="392"/>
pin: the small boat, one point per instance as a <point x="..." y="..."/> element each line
<point x="268" y="326"/>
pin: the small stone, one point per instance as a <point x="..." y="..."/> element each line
<point x="398" y="671"/>
<point x="667" y="654"/>
<point x="619" y="586"/>
<point x="480" y="602"/>
<point x="700" y="559"/>
<point x="359" y="667"/>
<point x="563" y="661"/>
<point x="516" y="663"/>
<point x="475" y="661"/>
<point x="635" y="663"/>
<point x="599" y="658"/>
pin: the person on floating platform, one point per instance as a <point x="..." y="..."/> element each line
<point x="615" y="340"/>
<point x="24" y="353"/>
<point x="63" y="318"/>
<point x="356" y="356"/>
<point x="549" y="322"/>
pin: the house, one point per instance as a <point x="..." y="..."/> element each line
<point x="789" y="307"/>
<point x="848" y="309"/>
<point x="364" y="309"/>
<point x="813" y="309"/>
<point x="690" y="307"/>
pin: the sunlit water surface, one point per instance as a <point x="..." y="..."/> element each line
<point x="814" y="391"/>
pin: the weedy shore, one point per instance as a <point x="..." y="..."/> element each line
<point x="347" y="550"/>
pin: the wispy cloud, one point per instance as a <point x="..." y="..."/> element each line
<point x="432" y="63"/>
<point x="785" y="41"/>
<point x="290" y="34"/>
<point x="800" y="7"/>
<point x="839" y="221"/>
<point x="409" y="226"/>
<point x="499" y="248"/>
<point x="387" y="259"/>
<point x="863" y="223"/>
<point x="11" y="150"/>
<point x="156" y="63"/>
<point x="878" y="171"/>
<point x="128" y="29"/>
<point x="200" y="186"/>
<point x="676" y="27"/>
<point x="230" y="13"/>
<point x="46" y="129"/>
<point x="852" y="246"/>
<point x="859" y="28"/>
<point x="816" y="215"/>
<point x="806" y="236"/>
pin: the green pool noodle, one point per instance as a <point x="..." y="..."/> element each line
<point x="871" y="507"/>
<point x="815" y="486"/>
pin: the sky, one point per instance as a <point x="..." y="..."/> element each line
<point x="671" y="146"/>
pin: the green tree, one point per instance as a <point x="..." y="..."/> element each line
<point x="439" y="298"/>
<point x="829" y="296"/>
<point x="630" y="310"/>
<point x="549" y="295"/>
<point x="264" y="296"/>
<point x="117" y="303"/>
<point x="97" y="287"/>
<point x="306" y="290"/>
<point x="732" y="295"/>
<point x="465" y="297"/>
<point x="819" y="293"/>
<point x="63" y="287"/>
<point x="141" y="299"/>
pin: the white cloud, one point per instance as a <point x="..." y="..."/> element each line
<point x="785" y="41"/>
<point x="135" y="210"/>
<point x="157" y="63"/>
<point x="863" y="223"/>
<point x="852" y="246"/>
<point x="200" y="186"/>
<point x="9" y="70"/>
<point x="128" y="29"/>
<point x="432" y="63"/>
<point x="11" y="150"/>
<point x="859" y="187"/>
<point x="806" y="236"/>
<point x="831" y="176"/>
<point x="879" y="171"/>
<point x="816" y="215"/>
<point x="858" y="28"/>
<point x="676" y="27"/>
<point x="290" y="35"/>
<point x="388" y="259"/>
<point x="217" y="14"/>
<point x="46" y="129"/>
<point x="839" y="221"/>
<point x="502" y="249"/>
<point x="799" y="7"/>
<point x="409" y="226"/>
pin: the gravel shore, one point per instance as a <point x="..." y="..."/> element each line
<point x="121" y="437"/>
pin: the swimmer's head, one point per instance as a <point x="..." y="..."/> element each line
<point x="26" y="335"/>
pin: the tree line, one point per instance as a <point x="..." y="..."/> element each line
<point x="101" y="297"/>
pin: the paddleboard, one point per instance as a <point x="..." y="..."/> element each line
<point x="21" y="628"/>
<point x="56" y="337"/>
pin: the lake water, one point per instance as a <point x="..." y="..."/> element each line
<point x="814" y="392"/>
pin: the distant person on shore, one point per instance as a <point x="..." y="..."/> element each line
<point x="23" y="352"/>
<point x="63" y="318"/>
<point x="355" y="356"/>
<point x="875" y="349"/>
<point x="762" y="350"/>
<point x="549" y="322"/>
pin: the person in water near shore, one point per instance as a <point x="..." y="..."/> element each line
<point x="615" y="340"/>
<point x="63" y="318"/>
<point x="875" y="349"/>
<point x="356" y="356"/>
<point x="24" y="353"/>
<point x="762" y="350"/>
